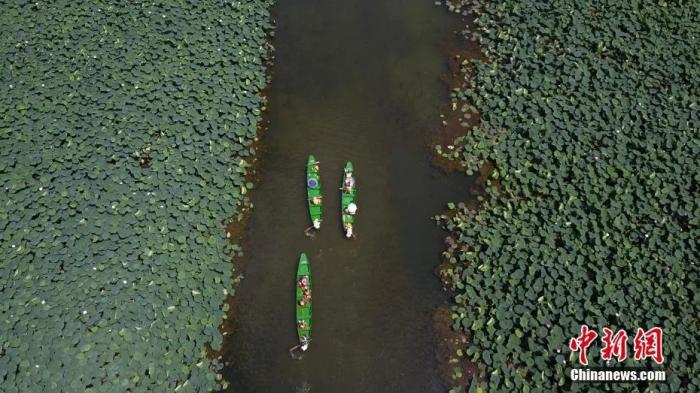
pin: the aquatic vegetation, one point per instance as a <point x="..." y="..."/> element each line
<point x="590" y="115"/>
<point x="125" y="136"/>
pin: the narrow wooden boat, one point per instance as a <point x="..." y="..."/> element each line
<point x="303" y="302"/>
<point x="313" y="192"/>
<point x="347" y="198"/>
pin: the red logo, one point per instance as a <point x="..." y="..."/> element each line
<point x="647" y="344"/>
<point x="582" y="343"/>
<point x="614" y="346"/>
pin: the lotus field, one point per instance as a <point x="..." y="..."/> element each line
<point x="590" y="116"/>
<point x="125" y="139"/>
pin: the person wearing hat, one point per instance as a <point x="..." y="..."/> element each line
<point x="351" y="209"/>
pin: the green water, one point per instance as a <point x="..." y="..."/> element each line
<point x="360" y="81"/>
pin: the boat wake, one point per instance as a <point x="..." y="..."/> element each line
<point x="305" y="387"/>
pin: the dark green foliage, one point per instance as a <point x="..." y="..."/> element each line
<point x="124" y="130"/>
<point x="590" y="115"/>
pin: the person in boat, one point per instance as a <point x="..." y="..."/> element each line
<point x="304" y="341"/>
<point x="315" y="167"/>
<point x="317" y="200"/>
<point x="306" y="299"/>
<point x="301" y="324"/>
<point x="303" y="345"/>
<point x="315" y="225"/>
<point x="348" y="230"/>
<point x="304" y="282"/>
<point x="349" y="182"/>
<point x="351" y="209"/>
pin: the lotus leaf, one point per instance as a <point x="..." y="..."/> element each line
<point x="112" y="118"/>
<point x="589" y="116"/>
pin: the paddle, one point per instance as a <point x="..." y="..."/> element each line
<point x="294" y="348"/>
<point x="307" y="231"/>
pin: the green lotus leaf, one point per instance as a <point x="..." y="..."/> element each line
<point x="583" y="211"/>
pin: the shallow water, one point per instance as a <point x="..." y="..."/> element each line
<point x="353" y="80"/>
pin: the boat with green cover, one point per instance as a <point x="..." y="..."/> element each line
<point x="303" y="302"/>
<point x="313" y="192"/>
<point x="348" y="208"/>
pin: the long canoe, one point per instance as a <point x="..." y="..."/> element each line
<point x="346" y="198"/>
<point x="303" y="311"/>
<point x="313" y="190"/>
